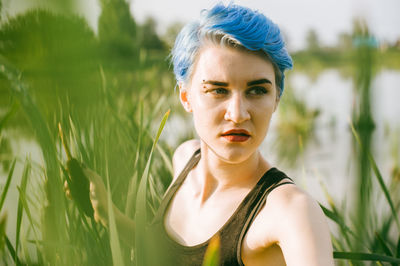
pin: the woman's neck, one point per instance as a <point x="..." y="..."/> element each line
<point x="213" y="174"/>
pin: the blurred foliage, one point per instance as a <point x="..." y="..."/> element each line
<point x="296" y="124"/>
<point x="58" y="57"/>
<point x="318" y="57"/>
<point x="171" y="33"/>
<point x="373" y="234"/>
<point x="312" y="40"/>
<point x="108" y="90"/>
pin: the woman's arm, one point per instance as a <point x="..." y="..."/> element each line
<point x="303" y="231"/>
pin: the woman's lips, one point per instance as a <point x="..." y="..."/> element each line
<point x="236" y="135"/>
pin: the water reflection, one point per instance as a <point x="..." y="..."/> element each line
<point x="329" y="155"/>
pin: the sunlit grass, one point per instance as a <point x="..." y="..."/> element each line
<point x="110" y="112"/>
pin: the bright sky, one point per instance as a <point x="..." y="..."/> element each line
<point x="327" y="17"/>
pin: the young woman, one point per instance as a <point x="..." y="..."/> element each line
<point x="230" y="69"/>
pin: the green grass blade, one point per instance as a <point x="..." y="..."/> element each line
<point x="132" y="189"/>
<point x="12" y="251"/>
<point x="383" y="244"/>
<point x="7" y="185"/>
<point x="398" y="248"/>
<point x="53" y="222"/>
<point x="22" y="189"/>
<point x="212" y="255"/>
<point x="364" y="257"/>
<point x="378" y="176"/>
<point x="166" y="159"/>
<point x="154" y="196"/>
<point x="141" y="213"/>
<point x="131" y="195"/>
<point x="7" y="116"/>
<point x="114" y="239"/>
<point x="3" y="224"/>
<point x="22" y="196"/>
<point x="337" y="245"/>
<point x="334" y="217"/>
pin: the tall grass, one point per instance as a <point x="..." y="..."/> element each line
<point x="380" y="247"/>
<point x="109" y="120"/>
<point x="370" y="237"/>
<point x="83" y="242"/>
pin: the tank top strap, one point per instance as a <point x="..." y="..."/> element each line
<point x="175" y="186"/>
<point x="270" y="181"/>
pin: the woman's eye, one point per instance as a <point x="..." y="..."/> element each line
<point x="219" y="91"/>
<point x="257" y="91"/>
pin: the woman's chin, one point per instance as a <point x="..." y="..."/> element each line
<point x="234" y="155"/>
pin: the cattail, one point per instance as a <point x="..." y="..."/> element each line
<point x="78" y="182"/>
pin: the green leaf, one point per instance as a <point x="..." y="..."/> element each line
<point x="54" y="221"/>
<point x="3" y="222"/>
<point x="22" y="198"/>
<point x="166" y="159"/>
<point x="382" y="243"/>
<point x="141" y="215"/>
<point x="114" y="239"/>
<point x="7" y="116"/>
<point x="364" y="257"/>
<point x="212" y="255"/>
<point x="334" y="217"/>
<point x="12" y="251"/>
<point x="7" y="186"/>
<point x="132" y="189"/>
<point x="22" y="189"/>
<point x="131" y="195"/>
<point x="378" y="176"/>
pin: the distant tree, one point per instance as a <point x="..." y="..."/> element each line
<point x="345" y="41"/>
<point x="148" y="37"/>
<point x="57" y="55"/>
<point x="65" y="7"/>
<point x="312" y="40"/>
<point x="397" y="44"/>
<point x="117" y="32"/>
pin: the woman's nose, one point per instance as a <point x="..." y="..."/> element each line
<point x="237" y="109"/>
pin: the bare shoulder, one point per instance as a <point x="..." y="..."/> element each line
<point x="290" y="200"/>
<point x="299" y="226"/>
<point x="182" y="155"/>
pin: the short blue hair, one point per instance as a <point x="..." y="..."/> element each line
<point x="233" y="26"/>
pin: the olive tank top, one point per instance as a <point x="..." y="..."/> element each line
<point x="166" y="251"/>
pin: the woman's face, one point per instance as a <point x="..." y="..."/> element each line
<point x="232" y="95"/>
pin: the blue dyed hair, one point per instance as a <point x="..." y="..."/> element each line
<point x="233" y="26"/>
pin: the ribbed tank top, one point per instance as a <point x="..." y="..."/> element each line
<point x="166" y="251"/>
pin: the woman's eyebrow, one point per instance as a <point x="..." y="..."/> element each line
<point x="216" y="83"/>
<point x="258" y="81"/>
<point x="225" y="84"/>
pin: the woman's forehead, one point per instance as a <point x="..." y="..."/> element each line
<point x="226" y="62"/>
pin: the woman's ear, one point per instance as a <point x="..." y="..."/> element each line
<point x="184" y="97"/>
<point x="277" y="102"/>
